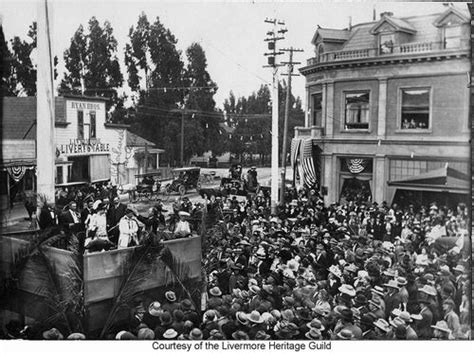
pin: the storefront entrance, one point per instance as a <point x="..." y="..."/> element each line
<point x="355" y="180"/>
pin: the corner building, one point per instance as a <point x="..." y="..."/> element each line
<point x="388" y="109"/>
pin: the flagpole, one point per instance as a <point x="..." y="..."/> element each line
<point x="45" y="151"/>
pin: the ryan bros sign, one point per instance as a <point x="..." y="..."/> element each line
<point x="82" y="147"/>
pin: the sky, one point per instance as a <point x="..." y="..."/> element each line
<point x="232" y="34"/>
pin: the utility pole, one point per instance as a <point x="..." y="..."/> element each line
<point x="45" y="149"/>
<point x="183" y="114"/>
<point x="272" y="39"/>
<point x="290" y="64"/>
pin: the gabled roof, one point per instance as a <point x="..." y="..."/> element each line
<point x="136" y="140"/>
<point x="397" y="23"/>
<point x="331" y="35"/>
<point x="442" y="179"/>
<point x="463" y="17"/>
<point x="18" y="119"/>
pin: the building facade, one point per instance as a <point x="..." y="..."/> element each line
<point x="388" y="101"/>
<point x="88" y="148"/>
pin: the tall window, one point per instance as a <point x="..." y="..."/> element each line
<point x="415" y="108"/>
<point x="357" y="110"/>
<point x="452" y="37"/>
<point x="59" y="174"/>
<point x="80" y="124"/>
<point x="93" y="125"/>
<point x="387" y="42"/>
<point x="317" y="109"/>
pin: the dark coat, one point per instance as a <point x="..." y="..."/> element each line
<point x="424" y="330"/>
<point x="115" y="213"/>
<point x="45" y="219"/>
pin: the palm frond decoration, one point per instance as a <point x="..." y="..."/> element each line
<point x="178" y="272"/>
<point x="139" y="266"/>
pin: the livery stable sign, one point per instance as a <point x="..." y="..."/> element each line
<point x="82" y="147"/>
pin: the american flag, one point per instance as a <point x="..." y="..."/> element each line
<point x="307" y="163"/>
<point x="295" y="149"/>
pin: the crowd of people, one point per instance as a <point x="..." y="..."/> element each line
<point x="311" y="271"/>
<point x="107" y="223"/>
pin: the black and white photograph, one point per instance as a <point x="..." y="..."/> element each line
<point x="284" y="175"/>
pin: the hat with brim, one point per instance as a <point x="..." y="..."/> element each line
<point x="377" y="290"/>
<point x="186" y="304"/>
<point x="146" y="334"/>
<point x="242" y="318"/>
<point x="429" y="290"/>
<point x="215" y="291"/>
<point x="345" y="334"/>
<point x="391" y="284"/>
<point x="244" y="243"/>
<point x="321" y="311"/>
<point x="80" y="336"/>
<point x="459" y="268"/>
<point x="402" y="281"/>
<point x="125" y="335"/>
<point x="240" y="335"/>
<point x="347" y="289"/>
<point x="376" y="302"/>
<point x="405" y="316"/>
<point x="184" y="213"/>
<point x="382" y="324"/>
<point x="170" y="296"/>
<point x="170" y="334"/>
<point x="195" y="334"/>
<point x="255" y="317"/>
<point x="53" y="334"/>
<point x="442" y="326"/>
<point x="155" y="309"/>
<point x="316" y="324"/>
<point x="397" y="322"/>
<point x="313" y="333"/>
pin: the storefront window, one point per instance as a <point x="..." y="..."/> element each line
<point x="415" y="109"/>
<point x="59" y="174"/>
<point x="92" y="125"/>
<point x="357" y="110"/>
<point x="317" y="109"/>
<point x="80" y="124"/>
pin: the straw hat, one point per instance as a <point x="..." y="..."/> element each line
<point x="391" y="284"/>
<point x="335" y="270"/>
<point x="215" y="291"/>
<point x="81" y="336"/>
<point x="261" y="335"/>
<point x="402" y="281"/>
<point x="184" y="213"/>
<point x="242" y="317"/>
<point x="347" y="289"/>
<point x="378" y="290"/>
<point x="255" y="317"/>
<point x="170" y="296"/>
<point x="125" y="335"/>
<point x="170" y="334"/>
<point x="382" y="324"/>
<point x="345" y="334"/>
<point x="313" y="333"/>
<point x="429" y="290"/>
<point x="442" y="326"/>
<point x="155" y="309"/>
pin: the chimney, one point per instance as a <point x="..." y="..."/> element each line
<point x="386" y="14"/>
<point x="350" y="24"/>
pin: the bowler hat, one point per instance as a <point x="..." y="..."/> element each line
<point x="52" y="333"/>
<point x="313" y="333"/>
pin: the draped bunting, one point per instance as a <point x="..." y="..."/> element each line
<point x="16" y="172"/>
<point x="356" y="165"/>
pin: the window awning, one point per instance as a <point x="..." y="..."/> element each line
<point x="444" y="179"/>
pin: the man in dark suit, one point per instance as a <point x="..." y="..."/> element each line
<point x="115" y="212"/>
<point x="46" y="217"/>
<point x="71" y="218"/>
<point x="423" y="327"/>
<point x="88" y="210"/>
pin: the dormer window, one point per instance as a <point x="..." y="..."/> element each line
<point x="452" y="37"/>
<point x="387" y="42"/>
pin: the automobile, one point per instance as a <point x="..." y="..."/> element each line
<point x="149" y="187"/>
<point x="184" y="179"/>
